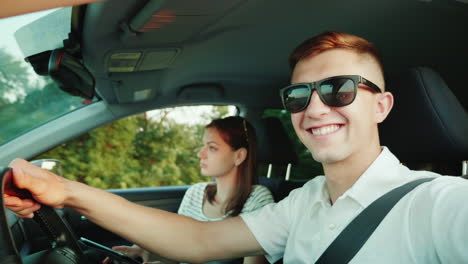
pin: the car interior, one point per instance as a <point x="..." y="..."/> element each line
<point x="119" y="58"/>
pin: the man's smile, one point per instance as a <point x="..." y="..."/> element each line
<point x="324" y="130"/>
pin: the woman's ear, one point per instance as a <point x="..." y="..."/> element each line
<point x="240" y="156"/>
<point x="384" y="105"/>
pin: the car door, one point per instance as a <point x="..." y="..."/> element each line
<point x="166" y="198"/>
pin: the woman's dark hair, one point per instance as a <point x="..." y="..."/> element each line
<point x="237" y="133"/>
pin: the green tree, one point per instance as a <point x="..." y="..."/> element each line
<point x="219" y="111"/>
<point x="13" y="78"/>
<point x="166" y="151"/>
<point x="136" y="151"/>
<point x="103" y="158"/>
<point x="27" y="100"/>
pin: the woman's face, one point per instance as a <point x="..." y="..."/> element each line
<point x="217" y="158"/>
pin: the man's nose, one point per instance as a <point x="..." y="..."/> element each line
<point x="316" y="107"/>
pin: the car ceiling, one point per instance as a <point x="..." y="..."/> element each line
<point x="236" y="51"/>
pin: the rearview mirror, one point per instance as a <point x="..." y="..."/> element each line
<point x="70" y="74"/>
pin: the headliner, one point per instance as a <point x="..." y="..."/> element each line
<point x="237" y="52"/>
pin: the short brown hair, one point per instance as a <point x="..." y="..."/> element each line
<point x="330" y="40"/>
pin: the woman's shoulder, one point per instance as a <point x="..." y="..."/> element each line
<point x="197" y="188"/>
<point x="260" y="190"/>
<point x="193" y="199"/>
<point x="259" y="197"/>
<point x="200" y="184"/>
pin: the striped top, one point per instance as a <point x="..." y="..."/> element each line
<point x="192" y="203"/>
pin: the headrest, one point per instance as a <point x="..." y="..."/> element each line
<point x="427" y="122"/>
<point x="274" y="144"/>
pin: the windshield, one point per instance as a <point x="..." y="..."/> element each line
<point x="27" y="99"/>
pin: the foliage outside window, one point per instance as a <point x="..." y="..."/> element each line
<point x="26" y="99"/>
<point x="137" y="151"/>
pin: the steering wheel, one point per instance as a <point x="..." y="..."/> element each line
<point x="65" y="247"/>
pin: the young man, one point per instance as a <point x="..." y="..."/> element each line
<point x="337" y="100"/>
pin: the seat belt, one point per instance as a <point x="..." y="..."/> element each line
<point x="354" y="236"/>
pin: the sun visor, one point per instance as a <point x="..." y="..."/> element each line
<point x="175" y="21"/>
<point x="51" y="29"/>
<point x="130" y="87"/>
<point x="200" y="92"/>
<point x="140" y="60"/>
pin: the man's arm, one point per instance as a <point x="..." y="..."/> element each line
<point x="17" y="7"/>
<point x="170" y="235"/>
<point x="167" y="234"/>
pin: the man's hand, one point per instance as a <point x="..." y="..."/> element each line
<point x="44" y="187"/>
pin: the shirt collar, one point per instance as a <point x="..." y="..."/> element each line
<point x="382" y="176"/>
<point x="319" y="193"/>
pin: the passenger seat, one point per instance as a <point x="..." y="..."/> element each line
<point x="275" y="148"/>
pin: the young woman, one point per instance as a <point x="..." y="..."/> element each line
<point x="228" y="156"/>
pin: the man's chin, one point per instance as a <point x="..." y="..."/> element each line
<point x="328" y="157"/>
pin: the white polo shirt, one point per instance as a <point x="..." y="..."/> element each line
<point x="428" y="225"/>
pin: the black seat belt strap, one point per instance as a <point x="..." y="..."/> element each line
<point x="354" y="236"/>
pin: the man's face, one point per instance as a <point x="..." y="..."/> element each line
<point x="334" y="134"/>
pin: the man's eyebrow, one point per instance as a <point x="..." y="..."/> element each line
<point x="212" y="142"/>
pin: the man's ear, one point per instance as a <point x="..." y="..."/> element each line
<point x="241" y="154"/>
<point x="384" y="105"/>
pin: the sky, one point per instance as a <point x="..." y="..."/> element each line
<point x="190" y="114"/>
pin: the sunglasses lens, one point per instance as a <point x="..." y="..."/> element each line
<point x="296" y="98"/>
<point x="338" y="92"/>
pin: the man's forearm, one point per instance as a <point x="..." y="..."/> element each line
<point x="170" y="235"/>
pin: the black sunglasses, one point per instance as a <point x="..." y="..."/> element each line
<point x="334" y="91"/>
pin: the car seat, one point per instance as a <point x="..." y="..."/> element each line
<point x="427" y="122"/>
<point x="275" y="148"/>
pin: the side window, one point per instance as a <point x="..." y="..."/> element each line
<point x="306" y="168"/>
<point x="155" y="148"/>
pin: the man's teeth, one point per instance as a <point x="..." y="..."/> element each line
<point x="325" y="130"/>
